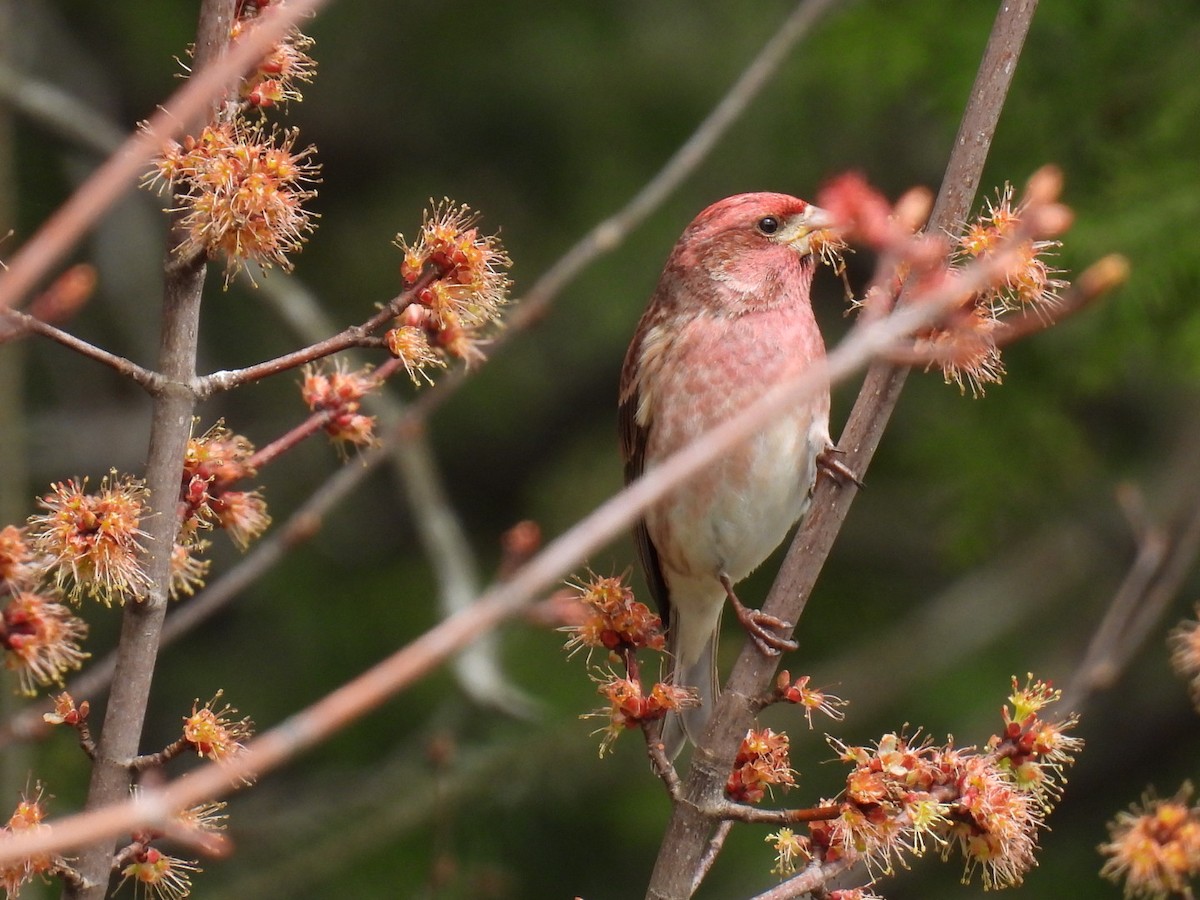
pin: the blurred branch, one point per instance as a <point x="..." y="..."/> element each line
<point x="601" y="239"/>
<point x="120" y="171"/>
<point x="607" y="235"/>
<point x="687" y="833"/>
<point x="478" y="668"/>
<point x="1044" y="571"/>
<point x="58" y="111"/>
<point x="1166" y="553"/>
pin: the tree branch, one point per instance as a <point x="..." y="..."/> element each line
<point x="687" y="834"/>
<point x="23" y="322"/>
<point x="1166" y="553"/>
<point x="171" y="422"/>
<point x="118" y="173"/>
<point x="363" y="694"/>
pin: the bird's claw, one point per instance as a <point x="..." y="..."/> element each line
<point x="764" y="630"/>
<point x="828" y="462"/>
<point x="762" y="627"/>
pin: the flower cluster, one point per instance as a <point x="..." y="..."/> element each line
<point x="762" y="761"/>
<point x="91" y="544"/>
<point x="904" y="794"/>
<point x="156" y="875"/>
<point x="65" y="711"/>
<point x="338" y="394"/>
<point x="630" y="707"/>
<point x="964" y="345"/>
<point x="463" y="296"/>
<point x="1033" y="750"/>
<point x="1184" y="642"/>
<point x="17" y="566"/>
<point x="213" y="465"/>
<point x="41" y="639"/>
<point x="614" y="619"/>
<point x="1154" y="847"/>
<point x="26" y="817"/>
<point x="791" y="851"/>
<point x="240" y="186"/>
<point x="810" y="699"/>
<point x="241" y="193"/>
<point x="605" y="614"/>
<point x="278" y="76"/>
<point x="215" y="733"/>
<point x="1030" y="281"/>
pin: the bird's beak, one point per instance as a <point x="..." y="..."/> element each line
<point x="805" y="232"/>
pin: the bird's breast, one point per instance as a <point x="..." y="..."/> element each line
<point x="734" y="513"/>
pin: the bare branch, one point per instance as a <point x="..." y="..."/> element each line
<point x="1166" y="554"/>
<point x="24" y="322"/>
<point x="813" y="878"/>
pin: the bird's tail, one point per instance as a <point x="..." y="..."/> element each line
<point x="689" y="723"/>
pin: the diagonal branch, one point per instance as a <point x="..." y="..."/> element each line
<point x="608" y="234"/>
<point x="119" y="172"/>
<point x="363" y="694"/>
<point x="602" y="239"/>
<point x="1166" y="554"/>
<point x="683" y="844"/>
<point x="22" y="322"/>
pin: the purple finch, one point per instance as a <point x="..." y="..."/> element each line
<point x="730" y="318"/>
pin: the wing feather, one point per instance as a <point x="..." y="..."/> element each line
<point x="633" y="453"/>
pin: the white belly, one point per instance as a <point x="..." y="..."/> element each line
<point x="738" y="511"/>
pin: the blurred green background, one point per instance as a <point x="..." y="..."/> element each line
<point x="989" y="542"/>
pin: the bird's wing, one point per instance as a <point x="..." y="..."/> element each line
<point x="633" y="453"/>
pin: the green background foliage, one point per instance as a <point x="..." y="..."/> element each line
<point x="988" y="543"/>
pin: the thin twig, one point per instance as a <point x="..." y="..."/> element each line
<point x="1165" y="555"/>
<point x="811" y="879"/>
<point x="23" y="322"/>
<point x="354" y="336"/>
<point x="479" y="669"/>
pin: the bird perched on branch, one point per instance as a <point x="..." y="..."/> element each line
<point x="730" y="318"/>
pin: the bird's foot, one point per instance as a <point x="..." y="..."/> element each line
<point x="764" y="629"/>
<point x="829" y="463"/>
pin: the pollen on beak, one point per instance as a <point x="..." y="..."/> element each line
<point x="806" y="231"/>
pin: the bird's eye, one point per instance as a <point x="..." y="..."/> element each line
<point x="768" y="224"/>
